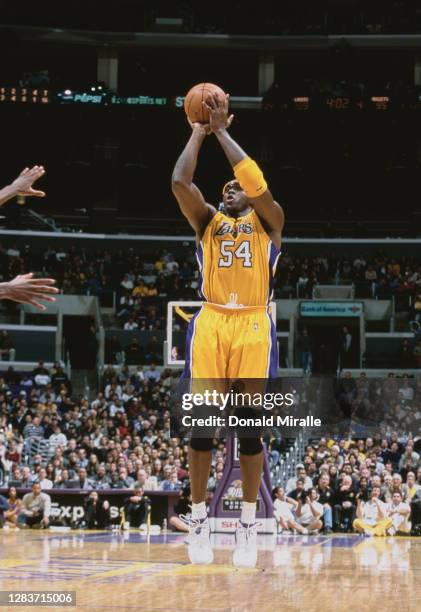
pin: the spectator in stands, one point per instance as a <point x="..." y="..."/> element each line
<point x="12" y="454"/>
<point x="395" y="486"/>
<point x="398" y="511"/>
<point x="154" y="351"/>
<point x="101" y="479"/>
<point x="372" y="516"/>
<point x="138" y="375"/>
<point x="415" y="506"/>
<point x="346" y="348"/>
<point x="301" y="473"/>
<point x="7" y="347"/>
<point x="11" y="515"/>
<point x="152" y="375"/>
<point x="134" y="352"/>
<point x="57" y="437"/>
<point x="171" y="482"/>
<point x="333" y="476"/>
<point x="124" y="480"/>
<point x="62" y="480"/>
<point x="82" y="480"/>
<point x="370" y="274"/>
<point x="42" y="380"/>
<point x="325" y="497"/>
<point x="43" y="481"/>
<point x="410" y="488"/>
<point x="346" y="393"/>
<point x="284" y="508"/>
<point x="392" y="455"/>
<point x="136" y="508"/>
<point x="145" y="482"/>
<point x="40" y="369"/>
<point x="33" y="429"/>
<point x="131" y="324"/>
<point x="304" y="348"/>
<point x="344" y="505"/>
<point x="26" y="479"/>
<point x="406" y="392"/>
<point x="36" y="507"/>
<point x="59" y="378"/>
<point x="127" y="282"/>
<point x="309" y="511"/>
<point x="97" y="512"/>
<point x="409" y="460"/>
<point x="126" y="305"/>
<point x="113" y="389"/>
<point x="299" y="488"/>
<point x="113" y="350"/>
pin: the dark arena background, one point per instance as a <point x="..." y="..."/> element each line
<point x="326" y="97"/>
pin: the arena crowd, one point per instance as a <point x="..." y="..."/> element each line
<point x="121" y="440"/>
<point x="144" y="280"/>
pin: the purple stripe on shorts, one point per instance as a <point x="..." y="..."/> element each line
<point x="274" y="356"/>
<point x="199" y="257"/>
<point x="189" y="338"/>
<point x="273" y="255"/>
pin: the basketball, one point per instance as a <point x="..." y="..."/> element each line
<point x="193" y="106"/>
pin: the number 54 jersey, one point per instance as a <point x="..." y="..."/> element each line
<point x="233" y="336"/>
<point x="237" y="262"/>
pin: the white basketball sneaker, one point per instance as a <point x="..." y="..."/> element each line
<point x="199" y="546"/>
<point x="245" y="553"/>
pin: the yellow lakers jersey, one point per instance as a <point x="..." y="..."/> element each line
<point x="237" y="261"/>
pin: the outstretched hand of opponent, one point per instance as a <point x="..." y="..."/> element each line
<point x="23" y="183"/>
<point x="26" y="289"/>
<point x="219" y="118"/>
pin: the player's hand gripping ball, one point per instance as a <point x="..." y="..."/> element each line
<point x="195" y="110"/>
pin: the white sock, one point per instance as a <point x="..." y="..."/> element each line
<point x="198" y="511"/>
<point x="248" y="512"/>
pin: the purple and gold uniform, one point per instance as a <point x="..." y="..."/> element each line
<point x="233" y="335"/>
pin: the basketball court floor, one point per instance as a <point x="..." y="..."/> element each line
<point x="129" y="571"/>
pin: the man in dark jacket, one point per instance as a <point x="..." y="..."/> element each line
<point x="136" y="508"/>
<point x="345" y="505"/>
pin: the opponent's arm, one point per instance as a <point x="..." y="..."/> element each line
<point x="22" y="185"/>
<point x="188" y="195"/>
<point x="26" y="289"/>
<point x="245" y="169"/>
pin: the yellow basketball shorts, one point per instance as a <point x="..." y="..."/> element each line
<point x="224" y="343"/>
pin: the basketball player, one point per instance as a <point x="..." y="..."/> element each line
<point x="25" y="288"/>
<point x="232" y="336"/>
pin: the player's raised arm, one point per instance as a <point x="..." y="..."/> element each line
<point x="246" y="171"/>
<point x="188" y="195"/>
<point x="22" y="185"/>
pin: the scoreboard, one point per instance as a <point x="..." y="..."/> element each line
<point x="300" y="103"/>
<point x="24" y="95"/>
